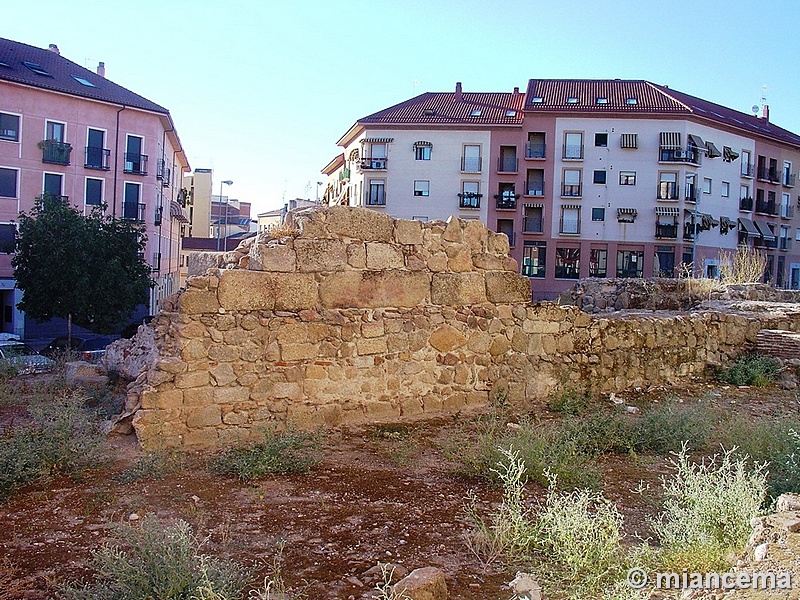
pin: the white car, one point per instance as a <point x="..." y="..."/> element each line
<point x="20" y="357"/>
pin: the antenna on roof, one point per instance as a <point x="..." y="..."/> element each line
<point x="763" y="94"/>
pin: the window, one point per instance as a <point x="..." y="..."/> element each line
<point x="476" y="112"/>
<point x="130" y="202"/>
<point x="572" y="100"/>
<point x="664" y="262"/>
<point x="535" y="182"/>
<point x="598" y="262"/>
<point x="601" y="140"/>
<point x="511" y="113"/>
<point x="506" y="226"/>
<point x="471" y="161"/>
<point x="726" y="189"/>
<point x="667" y="186"/>
<point x="135" y="161"/>
<point x="627" y="177"/>
<point x="788" y="177"/>
<point x="470" y="194"/>
<point x="422" y="188"/>
<point x="570" y="220"/>
<point x="83" y="81"/>
<point x="786" y="206"/>
<point x="568" y="263"/>
<point x="599" y="177"/>
<point x="747" y="165"/>
<point x="598" y="214"/>
<point x="602" y="100"/>
<point x="537" y="100"/>
<point x="96" y="153"/>
<point x="376" y="192"/>
<point x="630" y="263"/>
<point x="533" y="220"/>
<point x="36" y="68"/>
<point x="573" y="146"/>
<point x="9" y="127"/>
<point x="8" y="183"/>
<point x="94" y="191"/>
<point x="55" y="131"/>
<point x="706" y="185"/>
<point x="631" y="101"/>
<point x="534" y="258"/>
<point x="52" y="184"/>
<point x="572" y="183"/>
<point x="629" y="140"/>
<point x="422" y="153"/>
<point x="507" y="161"/>
<point x="8" y="239"/>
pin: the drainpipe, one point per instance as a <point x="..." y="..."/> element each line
<point x="116" y="164"/>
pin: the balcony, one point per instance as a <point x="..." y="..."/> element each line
<point x="54" y="152"/>
<point x="788" y="179"/>
<point x="163" y="172"/>
<point x="692" y="194"/>
<point x="532" y="225"/>
<point x="766" y="207"/>
<point x="344" y="175"/>
<point x="688" y="231"/>
<point x="135" y="164"/>
<point x="667" y="231"/>
<point x="770" y="174"/>
<point x="534" y="151"/>
<point x="571" y="190"/>
<point x="507" y="164"/>
<point x="785" y="243"/>
<point x="535" y="189"/>
<point x="373" y="164"/>
<point x="748" y="170"/>
<point x="505" y="202"/>
<point x="97" y="158"/>
<point x="746" y="204"/>
<point x="133" y="211"/>
<point x="667" y="190"/>
<point x="158" y="216"/>
<point x="572" y="152"/>
<point x="679" y="155"/>
<point x="469" y="200"/>
<point x="376" y="198"/>
<point x="470" y="164"/>
<point x="787" y="211"/>
<point x="760" y="242"/>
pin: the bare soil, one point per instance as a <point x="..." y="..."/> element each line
<point x="372" y="499"/>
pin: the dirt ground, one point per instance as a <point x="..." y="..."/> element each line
<point x="372" y="499"/>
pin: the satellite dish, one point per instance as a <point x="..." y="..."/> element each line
<point x="754" y="108"/>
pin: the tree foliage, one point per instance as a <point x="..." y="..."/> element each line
<point x="88" y="268"/>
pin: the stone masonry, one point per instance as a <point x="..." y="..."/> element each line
<point x="361" y="318"/>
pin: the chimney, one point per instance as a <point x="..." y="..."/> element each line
<point x="457" y="95"/>
<point x="765" y="112"/>
<point x="54" y="48"/>
<point x="516" y="90"/>
<point x="101" y="69"/>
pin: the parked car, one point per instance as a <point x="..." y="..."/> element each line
<point x="90" y="349"/>
<point x="20" y="357"/>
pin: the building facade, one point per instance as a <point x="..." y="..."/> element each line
<point x="73" y="133"/>
<point x="588" y="178"/>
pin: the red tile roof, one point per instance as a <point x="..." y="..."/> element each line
<point x="442" y="108"/>
<point x="61" y="71"/>
<point x="555" y="92"/>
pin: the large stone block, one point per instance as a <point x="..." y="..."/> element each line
<point x="457" y="289"/>
<point x="408" y="232"/>
<point x="199" y="262"/>
<point x="241" y="290"/>
<point x="359" y="224"/>
<point x="373" y="289"/>
<point x="382" y="256"/>
<point x="315" y="255"/>
<point x="272" y="257"/>
<point x="194" y="301"/>
<point x="446" y="339"/>
<point x="427" y="583"/>
<point x="505" y="287"/>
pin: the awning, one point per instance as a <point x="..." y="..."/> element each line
<point x="728" y="154"/>
<point x="749" y="227"/>
<point x="377" y="140"/>
<point x="626" y="215"/>
<point x="765" y="231"/>
<point x="696" y="140"/>
<point x="671" y="140"/>
<point x="423" y="144"/>
<point x="571" y="206"/>
<point x="671" y="211"/>
<point x="630" y="140"/>
<point x="725" y="225"/>
<point x="704" y="220"/>
<point x="176" y="212"/>
<point x="713" y="151"/>
<point x="533" y="205"/>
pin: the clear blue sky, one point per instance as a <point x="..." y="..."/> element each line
<point x="260" y="91"/>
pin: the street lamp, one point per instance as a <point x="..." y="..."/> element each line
<point x="219" y="211"/>
<point x="319" y="183"/>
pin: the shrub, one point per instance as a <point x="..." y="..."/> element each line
<point x="280" y="452"/>
<point x="62" y="438"/>
<point x="569" y="400"/>
<point x="707" y="510"/>
<point x="751" y="369"/>
<point x="152" y="466"/>
<point x="152" y="561"/>
<point x="746" y="265"/>
<point x="665" y="427"/>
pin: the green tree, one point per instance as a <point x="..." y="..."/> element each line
<point x="86" y="269"/>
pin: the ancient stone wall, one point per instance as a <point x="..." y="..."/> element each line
<point x="362" y="318"/>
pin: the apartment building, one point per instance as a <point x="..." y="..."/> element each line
<point x="74" y="133"/>
<point x="588" y="178"/>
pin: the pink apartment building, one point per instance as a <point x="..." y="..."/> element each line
<point x="73" y="133"/>
<point x="588" y="178"/>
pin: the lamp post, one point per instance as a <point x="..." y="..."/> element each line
<point x="319" y="183"/>
<point x="219" y="211"/>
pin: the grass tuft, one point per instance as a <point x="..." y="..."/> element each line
<point x="280" y="452"/>
<point x="751" y="369"/>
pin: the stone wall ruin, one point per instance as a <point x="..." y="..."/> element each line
<point x="363" y="318"/>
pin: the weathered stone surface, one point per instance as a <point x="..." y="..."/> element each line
<point x="372" y="289"/>
<point x="427" y="583"/>
<point x="408" y="232"/>
<point x="194" y="301"/>
<point x="198" y="263"/>
<point x="272" y="257"/>
<point x="457" y="289"/>
<point x="382" y="256"/>
<point x="360" y="224"/>
<point x="315" y="255"/>
<point x="446" y="339"/>
<point x="506" y="287"/>
<point x="260" y="290"/>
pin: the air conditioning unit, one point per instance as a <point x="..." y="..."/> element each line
<point x="378" y="163"/>
<point x="678" y="154"/>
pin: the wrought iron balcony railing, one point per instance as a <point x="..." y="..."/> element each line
<point x="133" y="211"/>
<point x="97" y="158"/>
<point x="135" y="163"/>
<point x="55" y="152"/>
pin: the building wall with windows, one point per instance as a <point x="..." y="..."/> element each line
<point x="110" y="148"/>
